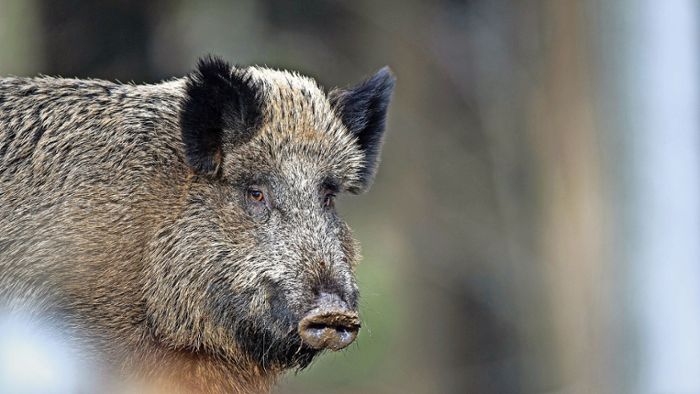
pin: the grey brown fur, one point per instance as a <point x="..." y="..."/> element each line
<point x="147" y="247"/>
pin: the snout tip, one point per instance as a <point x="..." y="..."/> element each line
<point x="332" y="325"/>
<point x="332" y="330"/>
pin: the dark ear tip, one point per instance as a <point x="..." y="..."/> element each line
<point x="212" y="66"/>
<point x="385" y="77"/>
<point x="209" y="59"/>
<point x="386" y="70"/>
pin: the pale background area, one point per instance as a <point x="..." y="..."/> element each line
<point x="535" y="224"/>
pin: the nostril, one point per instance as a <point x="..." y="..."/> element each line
<point x="321" y="326"/>
<point x="333" y="336"/>
<point x="333" y="330"/>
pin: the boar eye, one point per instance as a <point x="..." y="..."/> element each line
<point x="329" y="200"/>
<point x="256" y="195"/>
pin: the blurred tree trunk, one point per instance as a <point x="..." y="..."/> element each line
<point x="574" y="230"/>
<point x="514" y="261"/>
<point x="99" y="39"/>
<point x="19" y="38"/>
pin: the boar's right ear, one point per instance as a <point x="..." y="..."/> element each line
<point x="220" y="106"/>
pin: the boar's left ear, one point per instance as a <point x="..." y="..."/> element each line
<point x="220" y="106"/>
<point x="363" y="108"/>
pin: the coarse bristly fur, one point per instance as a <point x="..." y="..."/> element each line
<point x="126" y="216"/>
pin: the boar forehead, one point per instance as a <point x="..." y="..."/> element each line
<point x="300" y="138"/>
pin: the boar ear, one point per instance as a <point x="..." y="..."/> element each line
<point x="220" y="105"/>
<point x="363" y="108"/>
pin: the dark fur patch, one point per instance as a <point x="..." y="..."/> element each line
<point x="267" y="336"/>
<point x="220" y="106"/>
<point x="363" y="109"/>
<point x="270" y="350"/>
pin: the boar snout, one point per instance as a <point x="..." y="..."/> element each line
<point x="330" y="325"/>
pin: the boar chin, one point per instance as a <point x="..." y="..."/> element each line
<point x="274" y="351"/>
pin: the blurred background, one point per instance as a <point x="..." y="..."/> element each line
<point x="535" y="223"/>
